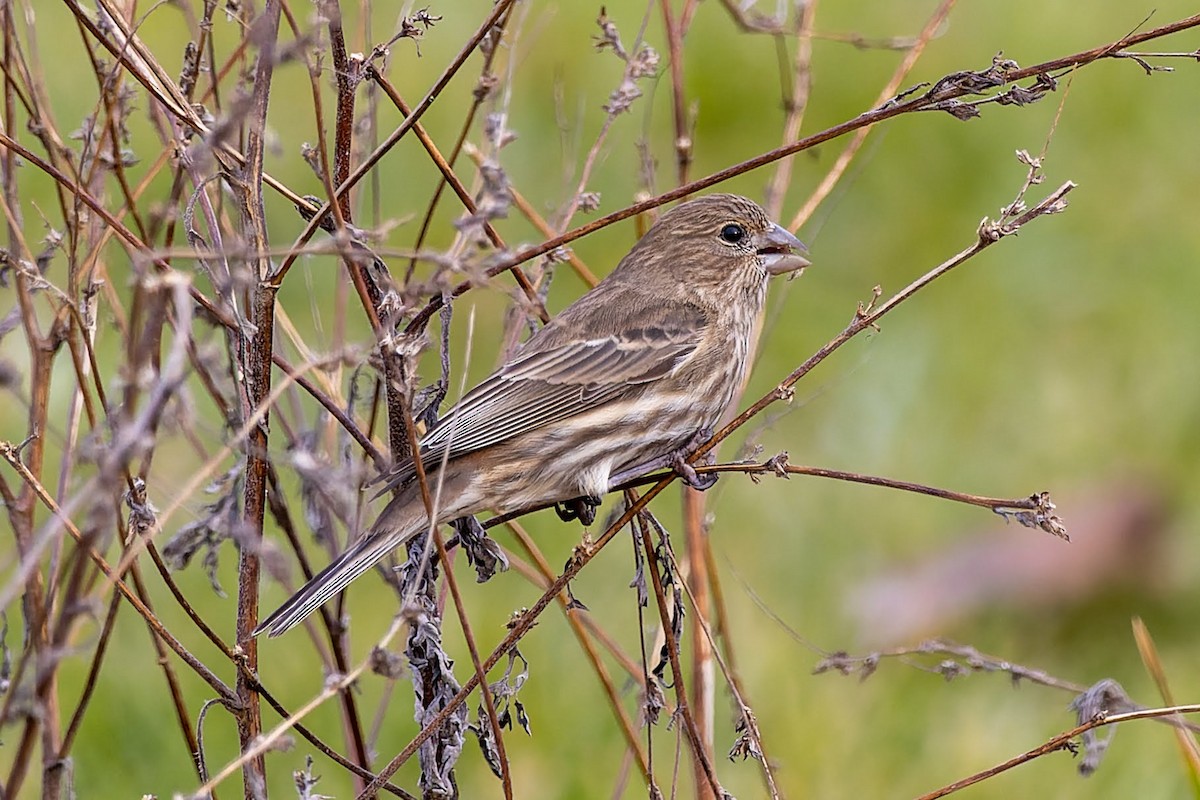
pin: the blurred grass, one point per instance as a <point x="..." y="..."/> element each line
<point x="1055" y="360"/>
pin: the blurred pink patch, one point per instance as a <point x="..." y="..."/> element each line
<point x="1117" y="532"/>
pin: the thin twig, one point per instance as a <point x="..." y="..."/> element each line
<point x="10" y="454"/>
<point x="886" y="111"/>
<point x="698" y="746"/>
<point x="1063" y="741"/>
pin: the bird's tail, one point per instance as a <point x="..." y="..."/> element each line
<point x="398" y="523"/>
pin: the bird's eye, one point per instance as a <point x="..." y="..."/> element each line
<point x="733" y="233"/>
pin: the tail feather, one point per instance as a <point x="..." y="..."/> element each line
<point x="359" y="558"/>
<point x="403" y="518"/>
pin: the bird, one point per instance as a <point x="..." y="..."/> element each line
<point x="630" y="378"/>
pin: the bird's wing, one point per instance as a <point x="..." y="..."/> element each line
<point x="557" y="376"/>
<point x="551" y="385"/>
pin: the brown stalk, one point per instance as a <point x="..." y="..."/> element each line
<point x="10" y="454"/>
<point x="538" y="221"/>
<point x="697" y="579"/>
<point x="1063" y="741"/>
<point x="89" y="683"/>
<point x="734" y="684"/>
<point x="72" y="604"/>
<point x="42" y="347"/>
<point x="178" y="702"/>
<point x="699" y="748"/>
<point x="518" y="629"/>
<point x="337" y="657"/>
<point x="480" y="673"/>
<point x="542" y="578"/>
<point x="887" y="111"/>
<point x="449" y="176"/>
<point x="796" y="103"/>
<point x="581" y="636"/>
<point x="696" y="576"/>
<point x="777" y="466"/>
<point x="683" y="139"/>
<point x="256" y="354"/>
<point x="418" y="111"/>
<point x="355" y="769"/>
<point x="136" y="245"/>
<point x="478" y="97"/>
<point x="935" y="23"/>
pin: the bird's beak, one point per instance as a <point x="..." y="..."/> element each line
<point x="781" y="252"/>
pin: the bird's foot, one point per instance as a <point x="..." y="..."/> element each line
<point x="686" y="471"/>
<point x="580" y="508"/>
<point x="698" y="481"/>
<point x="676" y="460"/>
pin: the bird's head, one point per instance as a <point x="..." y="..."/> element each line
<point x="722" y="242"/>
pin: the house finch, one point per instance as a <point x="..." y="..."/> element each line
<point x="628" y="379"/>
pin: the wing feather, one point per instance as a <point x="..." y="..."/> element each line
<point x="550" y="386"/>
<point x="557" y="376"/>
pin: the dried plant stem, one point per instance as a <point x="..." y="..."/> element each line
<point x="736" y="689"/>
<point x="838" y="170"/>
<point x="10" y="454"/>
<point x="542" y="576"/>
<point x="774" y="466"/>
<point x="696" y="579"/>
<point x="255" y="352"/>
<point x="865" y="119"/>
<point x="449" y="176"/>
<point x="210" y="308"/>
<point x="89" y="684"/>
<point x="683" y="139"/>
<point x="479" y="96"/>
<point x="526" y="208"/>
<point x="336" y="657"/>
<point x="634" y="747"/>
<point x="253" y="751"/>
<point x="325" y="749"/>
<point x="796" y="104"/>
<point x="178" y="702"/>
<point x="480" y="672"/>
<point x="418" y="111"/>
<point x="699" y="748"/>
<point x="868" y="316"/>
<point x="206" y="471"/>
<point x="334" y="685"/>
<point x="1063" y="741"/>
<point x="517" y="630"/>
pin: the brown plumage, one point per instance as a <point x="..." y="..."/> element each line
<point x="629" y="378"/>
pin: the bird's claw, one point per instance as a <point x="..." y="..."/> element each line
<point x="698" y="481"/>
<point x="687" y="473"/>
<point x="676" y="460"/>
<point x="580" y="508"/>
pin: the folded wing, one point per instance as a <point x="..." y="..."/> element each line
<point x="556" y="377"/>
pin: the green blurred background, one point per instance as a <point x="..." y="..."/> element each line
<point x="1061" y="359"/>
